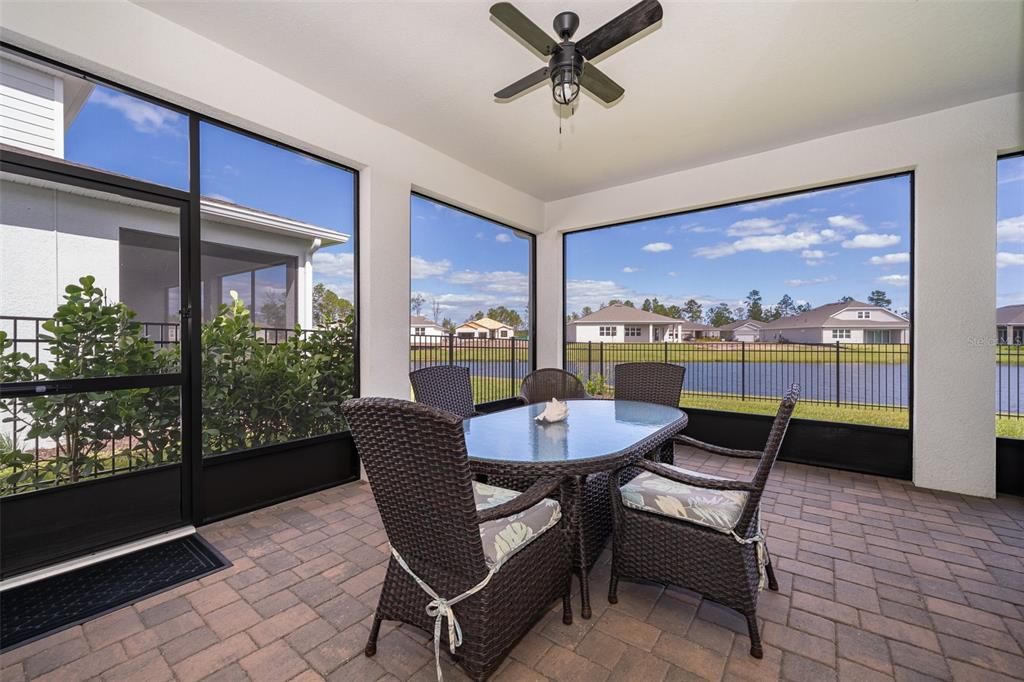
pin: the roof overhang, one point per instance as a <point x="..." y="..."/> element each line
<point x="234" y="214"/>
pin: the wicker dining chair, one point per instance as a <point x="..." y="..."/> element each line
<point x="650" y="382"/>
<point x="449" y="534"/>
<point x="698" y="531"/>
<point x="542" y="385"/>
<point x="446" y="387"/>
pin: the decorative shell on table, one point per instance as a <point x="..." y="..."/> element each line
<point x="554" y="411"/>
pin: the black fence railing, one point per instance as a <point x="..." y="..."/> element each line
<point x="874" y="376"/>
<point x="27" y="334"/>
<point x="1009" y="384"/>
<point x="496" y="366"/>
<point x="31" y="457"/>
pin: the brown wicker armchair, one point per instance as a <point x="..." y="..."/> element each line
<point x="542" y="385"/>
<point x="446" y="530"/>
<point x="651" y="382"/>
<point x="698" y="531"/>
<point x="446" y="387"/>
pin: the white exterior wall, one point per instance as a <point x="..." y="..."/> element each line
<point x="427" y="331"/>
<point x="33" y="106"/>
<point x="953" y="153"/>
<point x="591" y="332"/>
<point x="50" y="238"/>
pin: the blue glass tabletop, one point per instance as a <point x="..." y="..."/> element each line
<point x="593" y="429"/>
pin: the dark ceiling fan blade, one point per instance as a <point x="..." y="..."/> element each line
<point x="622" y="27"/>
<point x="600" y="85"/>
<point x="524" y="83"/>
<point x="520" y="24"/>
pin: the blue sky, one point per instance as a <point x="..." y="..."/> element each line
<point x="120" y="133"/>
<point x="816" y="247"/>
<point x="1010" y="231"/>
<point x="466" y="263"/>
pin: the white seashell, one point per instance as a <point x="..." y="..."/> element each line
<point x="555" y="411"/>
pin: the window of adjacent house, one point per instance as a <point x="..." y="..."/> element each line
<point x="840" y="333"/>
<point x="420" y="331"/>
<point x="608" y="331"/>
<point x="633" y="331"/>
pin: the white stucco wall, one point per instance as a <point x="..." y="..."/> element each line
<point x="953" y="153"/>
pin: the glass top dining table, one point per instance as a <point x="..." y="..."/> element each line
<point x="597" y="436"/>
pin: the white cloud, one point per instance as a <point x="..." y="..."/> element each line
<point x="754" y="226"/>
<point x="702" y="229"/>
<point x="1010" y="229"/>
<point x="1004" y="259"/>
<point x="871" y="241"/>
<point x="806" y="282"/>
<point x="716" y="251"/>
<point x="657" y="247"/>
<point x="423" y="268"/>
<point x="794" y="241"/>
<point x="895" y="280"/>
<point x="629" y="269"/>
<point x="498" y="281"/>
<point x="769" y="203"/>
<point x="329" y="264"/>
<point x="847" y="222"/>
<point x="502" y="237"/>
<point x="143" y="116"/>
<point x="890" y="259"/>
<point x="812" y="254"/>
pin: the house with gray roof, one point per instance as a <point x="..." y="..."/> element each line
<point x="619" y="323"/>
<point x="1010" y="324"/>
<point x="847" y="322"/>
<point x="741" y="330"/>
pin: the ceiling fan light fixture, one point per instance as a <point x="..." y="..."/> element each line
<point x="565" y="85"/>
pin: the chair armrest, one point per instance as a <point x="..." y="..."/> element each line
<point x="717" y="449"/>
<point x="522" y="399"/>
<point x="696" y="481"/>
<point x="542" y="488"/>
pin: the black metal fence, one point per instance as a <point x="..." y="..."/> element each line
<point x="874" y="376"/>
<point x="1009" y="371"/>
<point x="496" y="366"/>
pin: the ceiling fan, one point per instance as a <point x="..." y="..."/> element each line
<point x="569" y="66"/>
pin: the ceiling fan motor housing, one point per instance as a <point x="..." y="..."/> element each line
<point x="565" y="24"/>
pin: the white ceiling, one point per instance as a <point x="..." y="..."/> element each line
<point x="716" y="80"/>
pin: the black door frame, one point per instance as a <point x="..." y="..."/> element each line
<point x="188" y="202"/>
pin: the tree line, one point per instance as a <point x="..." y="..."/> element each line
<point x="753" y="308"/>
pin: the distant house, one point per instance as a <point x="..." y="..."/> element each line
<point x="1010" y="324"/>
<point x="484" y="328"/>
<point x="424" y="326"/>
<point x="741" y="330"/>
<point x="850" y="322"/>
<point x="619" y="323"/>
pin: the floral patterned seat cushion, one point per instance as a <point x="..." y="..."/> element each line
<point x="504" y="537"/>
<point x="718" y="509"/>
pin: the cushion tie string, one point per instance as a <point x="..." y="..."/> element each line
<point x="762" y="560"/>
<point x="440" y="609"/>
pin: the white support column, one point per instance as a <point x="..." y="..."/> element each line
<point x="953" y="315"/>
<point x="384" y="284"/>
<point x="550" y="323"/>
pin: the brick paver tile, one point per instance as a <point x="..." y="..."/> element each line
<point x="981" y="656"/>
<point x="149" y="666"/>
<point x="214" y="658"/>
<point x="919" y="660"/>
<point x="628" y="629"/>
<point x="273" y="663"/>
<point x="212" y="597"/>
<point x="795" y="641"/>
<point x="112" y="627"/>
<point x="799" y="669"/>
<point x="863" y="647"/>
<point x="562" y="664"/>
<point x="689" y="656"/>
<point x="339" y="649"/>
<point x="904" y="632"/>
<point x="601" y="648"/>
<point x="86" y="667"/>
<point x="54" y="657"/>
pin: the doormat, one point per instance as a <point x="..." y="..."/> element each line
<point x="30" y="612"/>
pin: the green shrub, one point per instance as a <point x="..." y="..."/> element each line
<point x="253" y="393"/>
